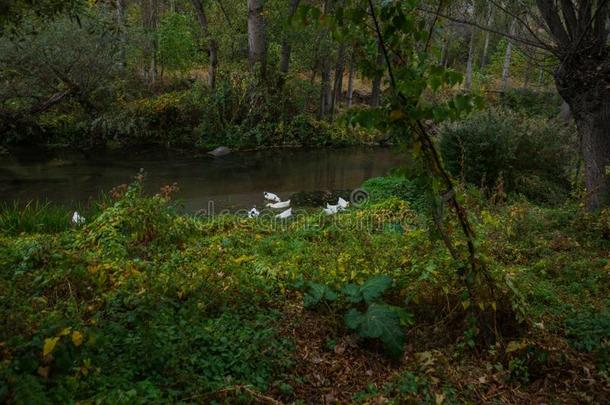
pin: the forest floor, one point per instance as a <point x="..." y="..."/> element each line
<point x="141" y="304"/>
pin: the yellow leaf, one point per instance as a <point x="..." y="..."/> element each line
<point x="65" y="332"/>
<point x="77" y="338"/>
<point x="49" y="345"/>
<point x="466" y="304"/>
<point x="440" y="398"/>
<point x="243" y="259"/>
<point x="396" y="115"/>
<point x="43" y="372"/>
<point x="515" y="345"/>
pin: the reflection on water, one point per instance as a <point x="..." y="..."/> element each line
<point x="233" y="181"/>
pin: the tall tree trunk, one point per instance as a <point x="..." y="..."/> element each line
<point x="594" y="131"/>
<point x="541" y="77"/>
<point x="120" y="18"/>
<point x="441" y="62"/>
<point x="149" y="22"/>
<point x="338" y="84"/>
<point x="586" y="89"/>
<point x="325" y="88"/>
<point x="470" y="63"/>
<point x="582" y="79"/>
<point x="490" y="19"/>
<point x="286" y="47"/>
<point x="508" y="56"/>
<point x="257" y="42"/>
<point x="376" y="88"/>
<point x="350" y="80"/>
<point x="212" y="43"/>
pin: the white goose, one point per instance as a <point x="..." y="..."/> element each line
<point x="284" y="214"/>
<point x="279" y="204"/>
<point x="253" y="213"/>
<point x="77" y="219"/>
<point x="271" y="197"/>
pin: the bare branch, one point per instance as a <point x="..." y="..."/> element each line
<point x="538" y="44"/>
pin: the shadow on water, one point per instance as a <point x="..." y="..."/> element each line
<point x="233" y="181"/>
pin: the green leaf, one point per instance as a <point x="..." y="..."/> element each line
<point x="374" y="287"/>
<point x="316" y="293"/>
<point x="353" y="319"/>
<point x="380" y="321"/>
<point x="352" y="292"/>
<point x="406" y="318"/>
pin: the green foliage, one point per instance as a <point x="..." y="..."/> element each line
<point x="33" y="217"/>
<point x="529" y="156"/>
<point x="378" y="321"/>
<point x="176" y="42"/>
<point x="531" y="103"/>
<point x="317" y="293"/>
<point x="369" y="292"/>
<point x="590" y="332"/>
<point x="413" y="187"/>
<point x="144" y="304"/>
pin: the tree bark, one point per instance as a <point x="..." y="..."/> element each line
<point x="120" y="17"/>
<point x="487" y="37"/>
<point x="507" y="57"/>
<point x="338" y="84"/>
<point x="376" y="89"/>
<point x="286" y="47"/>
<point x="257" y="42"/>
<point x="582" y="78"/>
<point x="585" y="86"/>
<point x="350" y="81"/>
<point x="470" y="63"/>
<point x="325" y="88"/>
<point x="212" y="43"/>
<point x="149" y="22"/>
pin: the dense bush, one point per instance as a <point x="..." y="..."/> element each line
<point x="496" y="148"/>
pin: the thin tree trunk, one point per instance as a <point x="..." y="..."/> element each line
<point x="507" y="57"/>
<point x="149" y="22"/>
<point x="212" y="43"/>
<point x="376" y="89"/>
<point x="541" y="77"/>
<point x="350" y="81"/>
<point x="470" y="63"/>
<point x="120" y="17"/>
<point x="338" y="84"/>
<point x="286" y="47"/>
<point x="257" y="42"/>
<point x="490" y="19"/>
<point x="325" y="88"/>
<point x="441" y="62"/>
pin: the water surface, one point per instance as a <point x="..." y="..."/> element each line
<point x="233" y="181"/>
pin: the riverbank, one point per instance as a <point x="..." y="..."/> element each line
<point x="141" y="303"/>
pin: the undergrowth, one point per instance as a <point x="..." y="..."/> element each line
<point x="144" y="304"/>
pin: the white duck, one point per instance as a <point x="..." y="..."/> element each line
<point x="77" y="219"/>
<point x="284" y="214"/>
<point x="331" y="209"/>
<point x="253" y="213"/>
<point x="279" y="204"/>
<point x="271" y="197"/>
